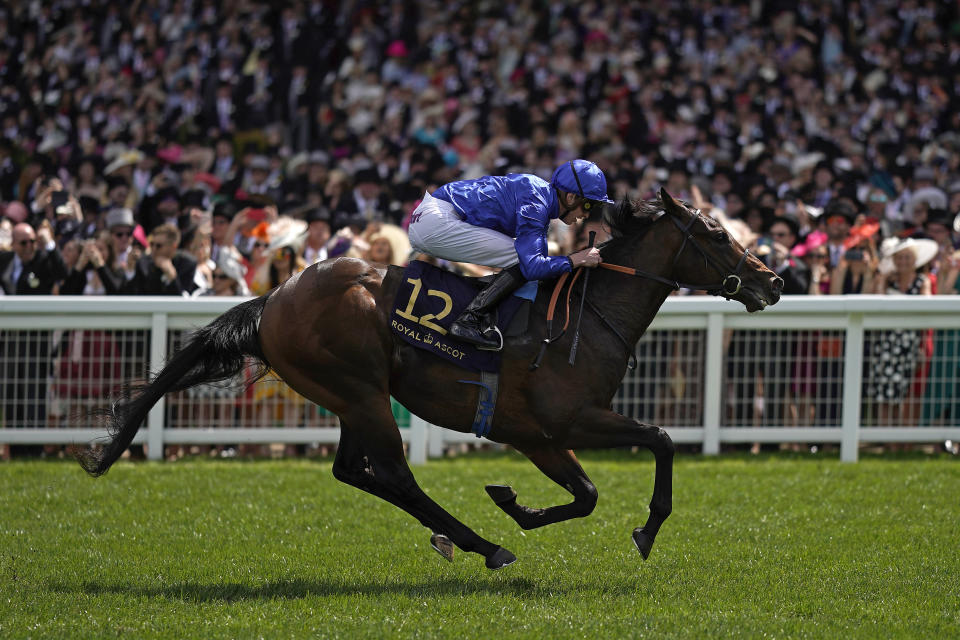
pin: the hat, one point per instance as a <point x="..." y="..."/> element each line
<point x="16" y="211"/>
<point x="939" y="216"/>
<point x="790" y="222"/>
<point x="286" y="232"/>
<point x="318" y="214"/>
<point x="208" y="179"/>
<point x="839" y="208"/>
<point x="366" y="175"/>
<point x="170" y="154"/>
<point x="398" y="239"/>
<point x="924" y="249"/>
<point x="934" y="197"/>
<point x="225" y="209"/>
<point x="814" y="240"/>
<point x="125" y="159"/>
<point x="924" y="173"/>
<point x="861" y="232"/>
<point x="397" y="49"/>
<point x="260" y="163"/>
<point x="231" y="265"/>
<point x="119" y="217"/>
<point x="319" y="157"/>
<point x="296" y="161"/>
<point x="89" y="204"/>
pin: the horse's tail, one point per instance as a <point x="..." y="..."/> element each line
<point x="213" y="353"/>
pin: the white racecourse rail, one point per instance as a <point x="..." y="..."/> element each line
<point x="837" y="369"/>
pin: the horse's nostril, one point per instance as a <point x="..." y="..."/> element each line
<point x="777" y="284"/>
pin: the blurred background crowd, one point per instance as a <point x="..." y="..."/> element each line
<point x="199" y="147"/>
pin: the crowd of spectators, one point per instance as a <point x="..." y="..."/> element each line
<point x="167" y="119"/>
<point x="198" y="147"/>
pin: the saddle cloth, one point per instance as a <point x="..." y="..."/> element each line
<point x="429" y="299"/>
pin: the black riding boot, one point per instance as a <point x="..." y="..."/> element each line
<point x="474" y="324"/>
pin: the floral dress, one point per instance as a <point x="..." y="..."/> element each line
<point x="894" y="357"/>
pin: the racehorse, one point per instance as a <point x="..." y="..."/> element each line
<point x="327" y="333"/>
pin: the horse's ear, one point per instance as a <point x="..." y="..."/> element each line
<point x="667" y="200"/>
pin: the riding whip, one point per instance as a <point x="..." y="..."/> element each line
<point x="583" y="297"/>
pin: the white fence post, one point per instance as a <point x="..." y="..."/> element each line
<point x="158" y="355"/>
<point x="852" y="384"/>
<point x="419" y="435"/>
<point x="713" y="384"/>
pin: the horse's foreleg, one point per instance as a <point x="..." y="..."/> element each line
<point x="606" y="429"/>
<point x="373" y="461"/>
<point x="561" y="466"/>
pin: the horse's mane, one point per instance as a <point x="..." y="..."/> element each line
<point x="632" y="217"/>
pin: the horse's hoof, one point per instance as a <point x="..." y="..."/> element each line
<point x="442" y="545"/>
<point x="643" y="541"/>
<point x="500" y="559"/>
<point x="501" y="493"/>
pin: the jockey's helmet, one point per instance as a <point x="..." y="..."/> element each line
<point x="583" y="178"/>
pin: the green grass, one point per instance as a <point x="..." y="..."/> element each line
<point x="767" y="546"/>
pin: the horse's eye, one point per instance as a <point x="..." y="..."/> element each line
<point x="722" y="236"/>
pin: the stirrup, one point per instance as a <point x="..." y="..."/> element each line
<point x="486" y="334"/>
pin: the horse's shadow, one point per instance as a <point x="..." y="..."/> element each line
<point x="296" y="589"/>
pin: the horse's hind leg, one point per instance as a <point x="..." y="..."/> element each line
<point x="374" y="436"/>
<point x="561" y="466"/>
<point x="601" y="429"/>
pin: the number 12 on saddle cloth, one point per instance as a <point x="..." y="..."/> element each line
<point x="429" y="299"/>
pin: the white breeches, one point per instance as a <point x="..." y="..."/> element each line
<point x="436" y="229"/>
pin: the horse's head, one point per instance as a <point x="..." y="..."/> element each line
<point x="702" y="256"/>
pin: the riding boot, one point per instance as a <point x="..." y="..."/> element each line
<point x="475" y="324"/>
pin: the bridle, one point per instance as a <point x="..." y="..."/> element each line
<point x="727" y="288"/>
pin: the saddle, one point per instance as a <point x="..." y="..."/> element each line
<point x="429" y="299"/>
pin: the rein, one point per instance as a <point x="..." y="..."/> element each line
<point x="727" y="288"/>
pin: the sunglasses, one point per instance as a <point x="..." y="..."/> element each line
<point x="28" y="241"/>
<point x="221" y="276"/>
<point x="122" y="234"/>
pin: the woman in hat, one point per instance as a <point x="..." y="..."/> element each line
<point x="895" y="353"/>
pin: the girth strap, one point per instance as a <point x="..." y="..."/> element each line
<point x="486" y="403"/>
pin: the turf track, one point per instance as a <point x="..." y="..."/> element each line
<point x="769" y="546"/>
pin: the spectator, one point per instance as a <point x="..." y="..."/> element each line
<point x="318" y="236"/>
<point x="228" y="276"/>
<point x="895" y="353"/>
<point x="165" y="270"/>
<point x="125" y="253"/>
<point x="29" y="269"/>
<point x="796" y="276"/>
<point x="90" y="273"/>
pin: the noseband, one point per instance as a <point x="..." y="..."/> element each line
<point x="727" y="288"/>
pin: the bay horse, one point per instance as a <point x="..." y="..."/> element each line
<point x="326" y="332"/>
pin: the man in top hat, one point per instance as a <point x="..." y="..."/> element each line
<point x="120" y="224"/>
<point x="318" y="235"/>
<point x="371" y="200"/>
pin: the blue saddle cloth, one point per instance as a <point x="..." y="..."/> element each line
<point x="429" y="299"/>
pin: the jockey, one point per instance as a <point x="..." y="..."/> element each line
<point x="502" y="221"/>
